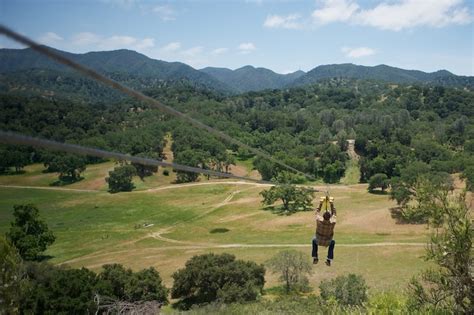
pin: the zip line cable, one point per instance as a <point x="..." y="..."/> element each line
<point x="138" y="95"/>
<point x="8" y="137"/>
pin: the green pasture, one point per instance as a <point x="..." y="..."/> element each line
<point x="165" y="227"/>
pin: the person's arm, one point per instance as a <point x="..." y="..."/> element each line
<point x="318" y="208"/>
<point x="333" y="208"/>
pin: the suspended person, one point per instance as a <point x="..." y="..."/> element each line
<point x="324" y="230"/>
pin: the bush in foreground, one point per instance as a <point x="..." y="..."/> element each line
<point x="349" y="289"/>
<point x="47" y="289"/>
<point x="210" y="277"/>
<point x="10" y="277"/>
<point x="292" y="266"/>
<point x="122" y="284"/>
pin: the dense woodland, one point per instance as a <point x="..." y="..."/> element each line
<point x="307" y="128"/>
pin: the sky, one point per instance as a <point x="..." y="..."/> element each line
<point x="281" y="35"/>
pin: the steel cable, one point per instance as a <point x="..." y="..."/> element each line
<point x="138" y="95"/>
<point x="8" y="137"/>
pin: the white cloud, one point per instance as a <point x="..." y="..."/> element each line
<point x="395" y="15"/>
<point x="165" y="12"/>
<point x="94" y="41"/>
<point x="85" y="39"/>
<point x="117" y="41"/>
<point x="173" y="46"/>
<point x="194" y="51"/>
<point x="411" y="13"/>
<point x="145" y="43"/>
<point x="335" y="11"/>
<point x="129" y="42"/>
<point x="219" y="51"/>
<point x="50" y="38"/>
<point x="357" y="52"/>
<point x="288" y="22"/>
<point x="246" y="48"/>
<point x="286" y="71"/>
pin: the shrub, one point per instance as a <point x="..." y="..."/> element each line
<point x="28" y="233"/>
<point x="468" y="176"/>
<point x="10" y="277"/>
<point x="48" y="289"/>
<point x="52" y="290"/>
<point x="122" y="284"/>
<point x="293" y="198"/>
<point x="120" y="179"/>
<point x="387" y="303"/>
<point x="207" y="278"/>
<point x="449" y="287"/>
<point x="347" y="290"/>
<point x="378" y="180"/>
<point x="292" y="266"/>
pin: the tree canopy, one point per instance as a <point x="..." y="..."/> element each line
<point x="120" y="179"/>
<point x="29" y="233"/>
<point x="292" y="267"/>
<point x="211" y="277"/>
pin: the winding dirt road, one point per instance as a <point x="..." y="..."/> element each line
<point x="49" y="188"/>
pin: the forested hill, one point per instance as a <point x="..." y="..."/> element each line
<point x="249" y="78"/>
<point x="384" y="73"/>
<point x="121" y="63"/>
<point x="26" y="70"/>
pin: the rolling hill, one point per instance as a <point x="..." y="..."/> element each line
<point x="123" y="63"/>
<point x="249" y="78"/>
<point x="382" y="73"/>
<point x="25" y="69"/>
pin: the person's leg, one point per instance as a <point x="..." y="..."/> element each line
<point x="331" y="251"/>
<point x="314" y="252"/>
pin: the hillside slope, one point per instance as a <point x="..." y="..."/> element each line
<point x="25" y="69"/>
<point x="249" y="78"/>
<point x="118" y="62"/>
<point x="383" y="73"/>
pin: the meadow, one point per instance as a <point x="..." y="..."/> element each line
<point x="161" y="224"/>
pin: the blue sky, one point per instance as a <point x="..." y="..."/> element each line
<point x="284" y="36"/>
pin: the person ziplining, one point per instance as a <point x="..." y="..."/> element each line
<point x="324" y="229"/>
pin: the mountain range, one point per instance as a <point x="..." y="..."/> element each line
<point x="139" y="71"/>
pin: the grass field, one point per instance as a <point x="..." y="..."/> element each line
<point x="94" y="227"/>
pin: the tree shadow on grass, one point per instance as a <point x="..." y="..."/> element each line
<point x="66" y="180"/>
<point x="378" y="192"/>
<point x="219" y="230"/>
<point x="186" y="304"/>
<point x="297" y="290"/>
<point x="397" y="214"/>
<point x="12" y="172"/>
<point x="278" y="210"/>
<point x="44" y="258"/>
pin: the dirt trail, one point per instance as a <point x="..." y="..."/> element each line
<point x="176" y="186"/>
<point x="351" y="150"/>
<point x="318" y="187"/>
<point x="191" y="245"/>
<point x="204" y="184"/>
<point x="50" y="188"/>
<point x="181" y="245"/>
